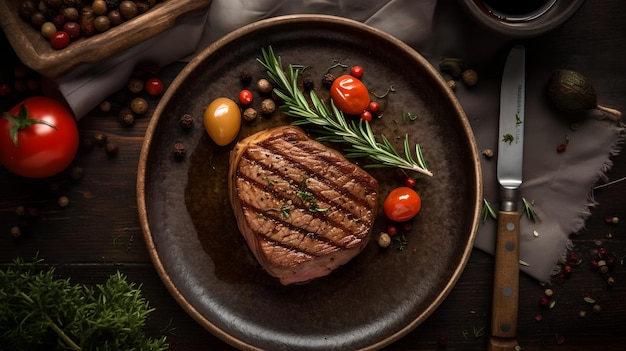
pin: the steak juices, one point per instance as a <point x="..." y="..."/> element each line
<point x="303" y="208"/>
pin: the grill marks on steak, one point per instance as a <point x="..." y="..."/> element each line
<point x="302" y="207"/>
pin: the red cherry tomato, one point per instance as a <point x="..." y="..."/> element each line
<point x="154" y="86"/>
<point x="356" y="71"/>
<point x="366" y="116"/>
<point x="349" y="95"/>
<point x="60" y="40"/>
<point x="410" y="182"/>
<point x="45" y="141"/>
<point x="245" y="97"/>
<point x="374" y="107"/>
<point x="402" y="204"/>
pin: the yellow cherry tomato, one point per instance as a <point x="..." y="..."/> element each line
<point x="222" y="120"/>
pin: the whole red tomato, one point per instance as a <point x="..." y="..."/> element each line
<point x="38" y="138"/>
<point x="402" y="204"/>
<point x="350" y="95"/>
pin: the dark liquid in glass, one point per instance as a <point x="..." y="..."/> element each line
<point x="516" y="8"/>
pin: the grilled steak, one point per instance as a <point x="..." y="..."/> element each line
<point x="303" y="208"/>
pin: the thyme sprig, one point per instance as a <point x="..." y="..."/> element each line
<point x="40" y="310"/>
<point x="333" y="123"/>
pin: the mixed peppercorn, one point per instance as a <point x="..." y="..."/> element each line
<point x="63" y="21"/>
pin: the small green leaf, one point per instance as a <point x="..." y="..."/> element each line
<point x="22" y="121"/>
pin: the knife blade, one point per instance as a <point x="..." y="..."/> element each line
<point x="509" y="174"/>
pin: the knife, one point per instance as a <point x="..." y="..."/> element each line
<point x="509" y="173"/>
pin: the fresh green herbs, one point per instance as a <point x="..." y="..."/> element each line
<point x="391" y="89"/>
<point x="488" y="211"/>
<point x="402" y="241"/>
<point x="529" y="210"/>
<point x="408" y="117"/>
<point x="334" y="125"/>
<point x="336" y="64"/>
<point x="38" y="310"/>
<point x="285" y="211"/>
<point x="309" y="199"/>
<point x="476" y="332"/>
<point x="508" y="138"/>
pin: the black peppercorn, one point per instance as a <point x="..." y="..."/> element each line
<point x="264" y="86"/>
<point x="99" y="7"/>
<point x="328" y="79"/>
<point x="111" y="149"/>
<point x="245" y="77"/>
<point x="76" y="173"/>
<point x="249" y="114"/>
<point x="139" y="105"/>
<point x="128" y="9"/>
<point x="70" y="13"/>
<point x="102" y="23"/>
<point x="115" y="18"/>
<point x="16" y="231"/>
<point x="105" y="106"/>
<point x="63" y="201"/>
<point x="179" y="151"/>
<point x="135" y="85"/>
<point x="268" y="106"/>
<point x="142" y="7"/>
<point x="308" y="84"/>
<point x="100" y="139"/>
<point x="20" y="211"/>
<point x="112" y="4"/>
<point x="37" y="19"/>
<point x="186" y="121"/>
<point x="126" y="117"/>
<point x="26" y="8"/>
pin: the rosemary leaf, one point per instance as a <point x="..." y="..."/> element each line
<point x="530" y="211"/>
<point x="335" y="127"/>
<point x="488" y="211"/>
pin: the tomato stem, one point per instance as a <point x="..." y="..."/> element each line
<point x="22" y="121"/>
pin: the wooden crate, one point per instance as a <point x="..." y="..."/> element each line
<point x="36" y="52"/>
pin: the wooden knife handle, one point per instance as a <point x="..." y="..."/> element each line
<point x="506" y="284"/>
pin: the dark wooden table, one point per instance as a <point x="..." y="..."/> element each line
<point x="99" y="232"/>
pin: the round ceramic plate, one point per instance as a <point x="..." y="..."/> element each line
<point x="190" y="228"/>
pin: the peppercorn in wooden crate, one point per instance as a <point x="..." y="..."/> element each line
<point x="38" y="52"/>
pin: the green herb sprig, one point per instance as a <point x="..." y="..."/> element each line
<point x="334" y="124"/>
<point x="488" y="211"/>
<point x="38" y="310"/>
<point x="529" y="210"/>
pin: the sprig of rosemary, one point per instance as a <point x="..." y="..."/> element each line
<point x="334" y="124"/>
<point x="529" y="210"/>
<point x="488" y="211"/>
<point x="38" y="310"/>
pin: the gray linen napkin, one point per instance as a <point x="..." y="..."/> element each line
<point x="557" y="183"/>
